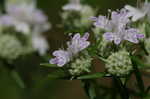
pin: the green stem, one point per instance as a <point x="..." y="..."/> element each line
<point x="90" y="89"/>
<point x="121" y="88"/>
<point x="138" y="78"/>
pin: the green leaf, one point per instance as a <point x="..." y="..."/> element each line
<point x="17" y="78"/>
<point x="137" y="74"/>
<point x="139" y="62"/>
<point x="58" y="74"/>
<point x="92" y="76"/>
<point x="49" y="65"/>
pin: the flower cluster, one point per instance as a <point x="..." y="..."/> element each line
<point x="76" y="15"/>
<point x="117" y="28"/>
<point x="24" y="16"/>
<point x="26" y="20"/>
<point x="10" y="47"/>
<point x="76" y="45"/>
<point x="80" y="65"/>
<point x="119" y="63"/>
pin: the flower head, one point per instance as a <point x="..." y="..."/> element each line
<point x="10" y="47"/>
<point x="80" y="65"/>
<point x="24" y="16"/>
<point x="117" y="28"/>
<point x="101" y="22"/>
<point x="119" y="63"/>
<point x="76" y="45"/>
<point x="61" y="58"/>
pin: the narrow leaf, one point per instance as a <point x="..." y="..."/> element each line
<point x="92" y="76"/>
<point x="49" y="65"/>
<point x="58" y="74"/>
<point x="18" y="79"/>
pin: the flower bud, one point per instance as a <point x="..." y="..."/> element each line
<point x="119" y="63"/>
<point x="10" y="47"/>
<point x="80" y="65"/>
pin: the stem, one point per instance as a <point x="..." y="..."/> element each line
<point x="90" y="89"/>
<point x="138" y="78"/>
<point x="121" y="88"/>
<point x="13" y="73"/>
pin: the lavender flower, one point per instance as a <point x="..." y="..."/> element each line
<point x="61" y="58"/>
<point x="40" y="44"/>
<point x="118" y="20"/>
<point x="101" y="22"/>
<point x="117" y="28"/>
<point x="76" y="45"/>
<point x="131" y="35"/>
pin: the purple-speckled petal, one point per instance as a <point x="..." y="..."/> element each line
<point x="117" y="41"/>
<point x="53" y="61"/>
<point x="108" y="36"/>
<point x="76" y="36"/>
<point x="93" y="18"/>
<point x="140" y="36"/>
<point x="85" y="36"/>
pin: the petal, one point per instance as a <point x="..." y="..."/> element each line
<point x="76" y="36"/>
<point x="84" y="45"/>
<point x="140" y="35"/>
<point x="85" y="36"/>
<point x="93" y="18"/>
<point x="61" y="61"/>
<point x="58" y="53"/>
<point x="108" y="36"/>
<point x="133" y="40"/>
<point x="53" y="61"/>
<point x="117" y="41"/>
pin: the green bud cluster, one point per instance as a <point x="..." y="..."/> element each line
<point x="10" y="47"/>
<point x="119" y="63"/>
<point x="80" y="65"/>
<point x="78" y="19"/>
<point x="104" y="48"/>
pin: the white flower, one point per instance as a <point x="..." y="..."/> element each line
<point x="73" y="5"/>
<point x="25" y="18"/>
<point x="40" y="44"/>
<point x="138" y="13"/>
